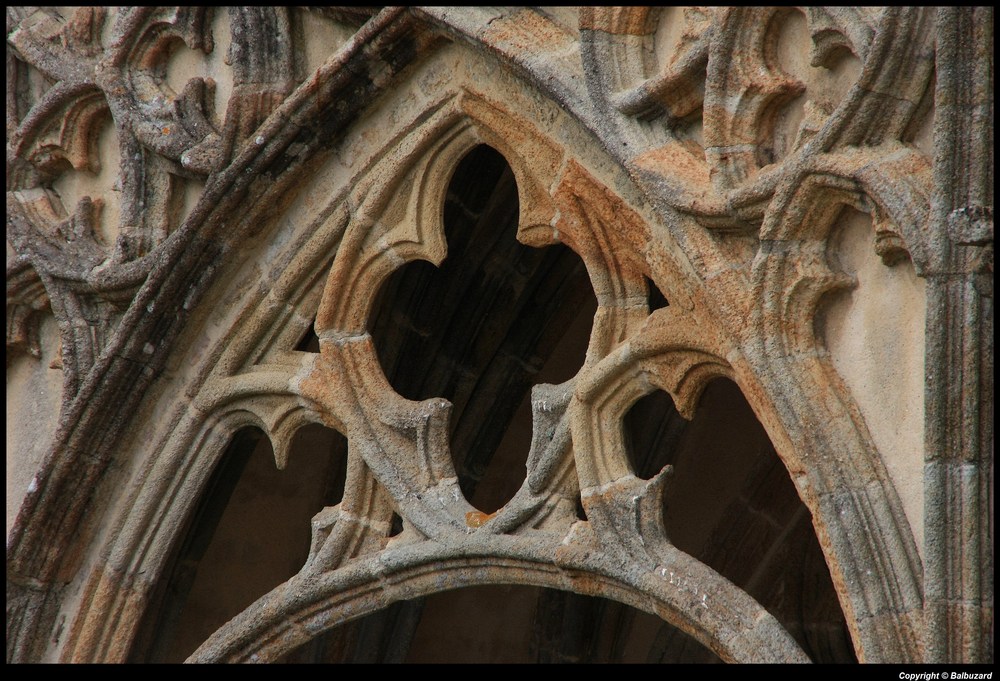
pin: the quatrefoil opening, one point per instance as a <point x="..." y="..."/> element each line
<point x="493" y="319"/>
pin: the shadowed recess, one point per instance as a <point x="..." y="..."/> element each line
<point x="731" y="504"/>
<point x="655" y="299"/>
<point x="309" y="341"/>
<point x="249" y="532"/>
<point x="494" y="319"/>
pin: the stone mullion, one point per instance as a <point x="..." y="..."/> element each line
<point x="959" y="392"/>
<point x="958" y="578"/>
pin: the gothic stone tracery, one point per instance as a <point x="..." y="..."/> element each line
<point x="191" y="190"/>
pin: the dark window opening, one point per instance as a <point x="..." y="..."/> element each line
<point x="249" y="533"/>
<point x="652" y="428"/>
<point x="496" y="318"/>
<point x="732" y="505"/>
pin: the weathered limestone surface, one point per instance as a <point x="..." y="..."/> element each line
<point x="191" y="191"/>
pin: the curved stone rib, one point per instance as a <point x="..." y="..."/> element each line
<point x="46" y="528"/>
<point x="550" y="482"/>
<point x="405" y="443"/>
<point x="723" y="618"/>
<point x="837" y="468"/>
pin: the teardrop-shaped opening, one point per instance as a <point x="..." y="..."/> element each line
<point x="249" y="533"/>
<point x="496" y="318"/>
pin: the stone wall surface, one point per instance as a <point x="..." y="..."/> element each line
<point x="217" y="219"/>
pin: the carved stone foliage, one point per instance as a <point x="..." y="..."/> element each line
<point x="55" y="133"/>
<point x="706" y="152"/>
<point x="775" y="142"/>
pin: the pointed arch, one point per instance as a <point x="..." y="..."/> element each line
<point x="340" y="184"/>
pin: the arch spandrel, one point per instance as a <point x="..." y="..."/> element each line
<point x="738" y="248"/>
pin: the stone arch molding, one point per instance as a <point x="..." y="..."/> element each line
<point x="631" y="214"/>
<point x="404" y="444"/>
